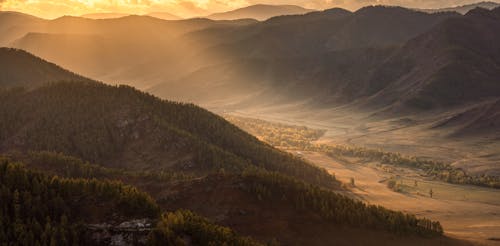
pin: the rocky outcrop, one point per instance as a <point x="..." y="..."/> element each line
<point x="133" y="232"/>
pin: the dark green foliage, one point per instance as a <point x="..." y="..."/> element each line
<point x="72" y="167"/>
<point x="125" y="128"/>
<point x="39" y="209"/>
<point x="337" y="208"/>
<point x="186" y="228"/>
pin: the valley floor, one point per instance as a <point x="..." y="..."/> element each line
<point x="414" y="135"/>
<point x="466" y="212"/>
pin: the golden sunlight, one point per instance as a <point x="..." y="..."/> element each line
<point x="56" y="8"/>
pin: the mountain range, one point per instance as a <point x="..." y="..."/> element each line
<point x="389" y="60"/>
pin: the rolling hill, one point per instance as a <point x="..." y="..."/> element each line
<point x="260" y="12"/>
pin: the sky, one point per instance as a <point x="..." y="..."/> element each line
<point x="191" y="8"/>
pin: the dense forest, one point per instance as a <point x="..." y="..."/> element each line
<point x="37" y="209"/>
<point x="335" y="207"/>
<point x="136" y="131"/>
<point x="172" y="226"/>
<point x="66" y="205"/>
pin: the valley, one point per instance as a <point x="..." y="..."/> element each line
<point x="189" y="123"/>
<point x="466" y="211"/>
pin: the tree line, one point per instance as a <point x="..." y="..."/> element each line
<point x="334" y="207"/>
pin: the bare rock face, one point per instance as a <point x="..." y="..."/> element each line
<point x="127" y="233"/>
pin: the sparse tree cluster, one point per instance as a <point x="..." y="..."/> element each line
<point x="184" y="227"/>
<point x="440" y="170"/>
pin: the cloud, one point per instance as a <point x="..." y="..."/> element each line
<point x="189" y="8"/>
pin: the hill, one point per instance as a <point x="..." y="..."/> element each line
<point x="97" y="16"/>
<point x="260" y="12"/>
<point x="137" y="132"/>
<point x="21" y="69"/>
<point x="164" y="15"/>
<point x="52" y="210"/>
<point x="463" y="9"/>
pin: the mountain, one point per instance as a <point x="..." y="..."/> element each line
<point x="465" y="8"/>
<point x="375" y="59"/>
<point x="171" y="51"/>
<point x="13" y="25"/>
<point x="159" y="15"/>
<point x="444" y="67"/>
<point x="21" y="69"/>
<point x="164" y="15"/>
<point x="298" y="57"/>
<point x="260" y="12"/>
<point x="430" y="64"/>
<point x="104" y="15"/>
<point x="75" y="38"/>
<point x="181" y="157"/>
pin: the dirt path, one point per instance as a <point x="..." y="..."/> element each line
<point x="466" y="212"/>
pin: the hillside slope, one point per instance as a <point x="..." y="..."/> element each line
<point x="444" y="67"/>
<point x="21" y="69"/>
<point x="297" y="57"/>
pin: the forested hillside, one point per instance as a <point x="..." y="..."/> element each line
<point x="100" y="158"/>
<point x="38" y="209"/>
<point x="136" y="131"/>
<point x="268" y="198"/>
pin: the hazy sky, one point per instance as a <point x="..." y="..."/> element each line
<point x="189" y="8"/>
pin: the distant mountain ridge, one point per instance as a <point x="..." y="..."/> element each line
<point x="465" y="8"/>
<point x="104" y="15"/>
<point x="260" y="12"/>
<point x="159" y="15"/>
